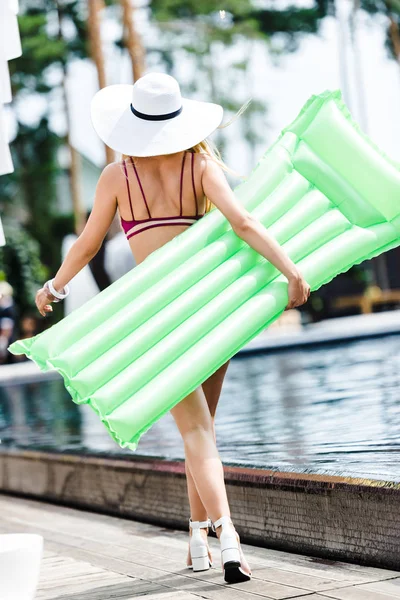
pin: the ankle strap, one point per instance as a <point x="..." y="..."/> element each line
<point x="221" y="521"/>
<point x="199" y="524"/>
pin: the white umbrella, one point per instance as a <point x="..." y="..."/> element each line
<point x="5" y="83"/>
<point x="14" y="6"/>
<point x="10" y="47"/>
<point x="6" y="165"/>
<point x="9" y="32"/>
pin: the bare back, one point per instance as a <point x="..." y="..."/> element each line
<point x="160" y="187"/>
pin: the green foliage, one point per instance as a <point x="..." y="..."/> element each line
<point x="62" y="225"/>
<point x="32" y="186"/>
<point x="20" y="265"/>
<point x="243" y="16"/>
<point x="42" y="46"/>
<point x="167" y="10"/>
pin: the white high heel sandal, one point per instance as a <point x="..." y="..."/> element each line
<point x="230" y="553"/>
<point x="198" y="547"/>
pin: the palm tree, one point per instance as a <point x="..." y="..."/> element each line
<point x="394" y="34"/>
<point x="95" y="6"/>
<point x="132" y="39"/>
<point x="74" y="166"/>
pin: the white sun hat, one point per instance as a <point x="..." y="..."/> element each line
<point x="151" y="118"/>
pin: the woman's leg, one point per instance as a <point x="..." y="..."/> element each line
<point x="193" y="419"/>
<point x="212" y="389"/>
<point x="195" y="424"/>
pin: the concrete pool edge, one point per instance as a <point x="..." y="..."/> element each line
<point x="329" y="331"/>
<point x="330" y="517"/>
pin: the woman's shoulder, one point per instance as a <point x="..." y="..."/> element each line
<point x="112" y="176"/>
<point x="114" y="168"/>
<point x="112" y="172"/>
<point x="203" y="161"/>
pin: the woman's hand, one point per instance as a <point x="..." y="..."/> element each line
<point x="43" y="297"/>
<point x="298" y="291"/>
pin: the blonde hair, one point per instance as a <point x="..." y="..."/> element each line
<point x="209" y="149"/>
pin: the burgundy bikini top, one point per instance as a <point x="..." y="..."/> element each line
<point x="136" y="226"/>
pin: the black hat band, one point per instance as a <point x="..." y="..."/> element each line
<point x="165" y="117"/>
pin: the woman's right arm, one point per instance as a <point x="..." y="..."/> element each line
<point x="89" y="242"/>
<point x="252" y="231"/>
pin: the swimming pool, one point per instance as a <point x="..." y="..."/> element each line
<point x="331" y="409"/>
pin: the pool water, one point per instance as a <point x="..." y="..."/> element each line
<point x="329" y="409"/>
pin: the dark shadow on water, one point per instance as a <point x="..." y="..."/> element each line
<point x="39" y="413"/>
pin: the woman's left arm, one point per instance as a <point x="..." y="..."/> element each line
<point x="89" y="242"/>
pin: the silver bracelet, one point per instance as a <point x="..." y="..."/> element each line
<point x="54" y="292"/>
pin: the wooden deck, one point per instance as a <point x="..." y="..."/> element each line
<point x="96" y="557"/>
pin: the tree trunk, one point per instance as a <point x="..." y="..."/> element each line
<point x="74" y="167"/>
<point x="395" y="36"/>
<point x="96" y="50"/>
<point x="132" y="40"/>
<point x="74" y="172"/>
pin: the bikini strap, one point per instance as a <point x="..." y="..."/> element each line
<point x="181" y="188"/>
<point x="129" y="190"/>
<point x="141" y="187"/>
<point x="193" y="185"/>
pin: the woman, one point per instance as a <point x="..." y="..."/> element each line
<point x="162" y="186"/>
